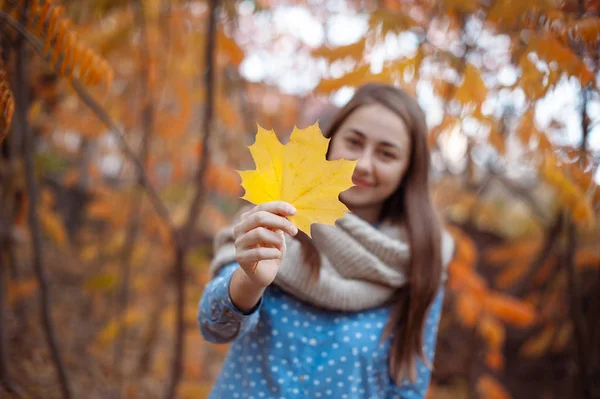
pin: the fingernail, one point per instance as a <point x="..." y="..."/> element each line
<point x="291" y="209"/>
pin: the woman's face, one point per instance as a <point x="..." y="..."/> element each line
<point x="380" y="141"/>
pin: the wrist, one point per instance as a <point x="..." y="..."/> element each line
<point x="243" y="292"/>
<point x="248" y="281"/>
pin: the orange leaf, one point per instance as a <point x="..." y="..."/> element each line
<point x="537" y="345"/>
<point x="513" y="272"/>
<point x="494" y="359"/>
<point x="489" y="388"/>
<point x="496" y="139"/>
<point x="355" y="78"/>
<point x="229" y="48"/>
<point x="493" y="332"/>
<point x="462" y="277"/>
<point x="527" y="128"/>
<point x="462" y="6"/>
<point x="570" y="195"/>
<point x="550" y="49"/>
<point x="466" y="252"/>
<point x="354" y="51"/>
<point x="468" y="308"/>
<point x="587" y="259"/>
<point x="512" y="251"/>
<point x="531" y="79"/>
<point x="510" y="310"/>
<point x="472" y="89"/>
<point x="587" y="29"/>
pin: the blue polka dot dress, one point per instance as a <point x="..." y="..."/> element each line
<point x="288" y="349"/>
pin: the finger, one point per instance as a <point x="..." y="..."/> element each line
<point x="280" y="208"/>
<point x="253" y="255"/>
<point x="260" y="237"/>
<point x="264" y="219"/>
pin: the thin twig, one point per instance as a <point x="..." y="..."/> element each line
<point x="580" y="332"/>
<point x="21" y="125"/>
<point x="197" y="201"/>
<point x="5" y="380"/>
<point x="147" y="118"/>
<point x="552" y="235"/>
<point x="150" y="336"/>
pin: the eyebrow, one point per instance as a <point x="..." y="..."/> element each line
<point x="384" y="143"/>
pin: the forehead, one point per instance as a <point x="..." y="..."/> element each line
<point x="378" y="123"/>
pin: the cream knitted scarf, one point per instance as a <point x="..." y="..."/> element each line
<point x="361" y="266"/>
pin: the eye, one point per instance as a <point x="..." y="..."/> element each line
<point x="388" y="155"/>
<point x="353" y="141"/>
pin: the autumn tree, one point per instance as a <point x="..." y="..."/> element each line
<point x="122" y="124"/>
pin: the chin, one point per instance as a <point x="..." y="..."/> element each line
<point x="353" y="199"/>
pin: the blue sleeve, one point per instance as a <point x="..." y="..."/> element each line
<point x="220" y="321"/>
<point x="418" y="389"/>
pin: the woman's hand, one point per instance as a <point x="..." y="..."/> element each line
<point x="260" y="241"/>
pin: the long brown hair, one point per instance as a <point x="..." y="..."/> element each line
<point x="411" y="205"/>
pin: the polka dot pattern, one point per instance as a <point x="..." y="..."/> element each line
<point x="287" y="349"/>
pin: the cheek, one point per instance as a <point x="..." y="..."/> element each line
<point x="336" y="151"/>
<point x="391" y="175"/>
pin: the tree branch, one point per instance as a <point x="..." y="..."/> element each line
<point x="21" y="107"/>
<point x="197" y="201"/>
<point x="4" y="376"/>
<point x="552" y="235"/>
<point x="147" y="118"/>
<point x="580" y="332"/>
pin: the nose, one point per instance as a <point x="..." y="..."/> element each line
<point x="365" y="162"/>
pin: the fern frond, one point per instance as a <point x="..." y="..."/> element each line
<point x="7" y="104"/>
<point x="65" y="51"/>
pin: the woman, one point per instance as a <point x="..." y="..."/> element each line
<point x="352" y="313"/>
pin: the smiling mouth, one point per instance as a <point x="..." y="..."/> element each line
<point x="361" y="183"/>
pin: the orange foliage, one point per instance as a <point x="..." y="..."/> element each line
<point x="223" y="179"/>
<point x="510" y="310"/>
<point x="494" y="359"/>
<point x="569" y="194"/>
<point x="550" y="49"/>
<point x="493" y="331"/>
<point x="472" y="90"/>
<point x="587" y="258"/>
<point x="587" y="29"/>
<point x="468" y="308"/>
<point x="7" y="104"/>
<point x="506" y="253"/>
<point x="47" y="20"/>
<point x="538" y="345"/>
<point x="354" y="51"/>
<point x="229" y="48"/>
<point x="489" y="388"/>
<point x="462" y="277"/>
<point x="512" y="273"/>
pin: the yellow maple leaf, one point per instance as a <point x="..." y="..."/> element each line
<point x="298" y="173"/>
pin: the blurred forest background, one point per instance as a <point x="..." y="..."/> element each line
<point x="122" y="123"/>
